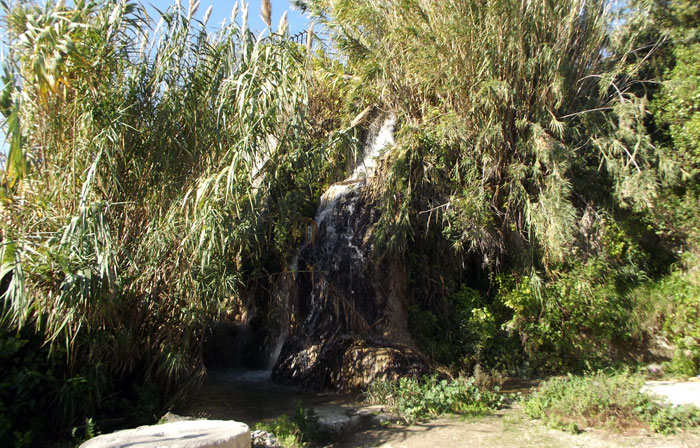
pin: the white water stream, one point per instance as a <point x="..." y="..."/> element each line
<point x="365" y="169"/>
<point x="381" y="136"/>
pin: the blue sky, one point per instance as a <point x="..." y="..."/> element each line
<point x="221" y="9"/>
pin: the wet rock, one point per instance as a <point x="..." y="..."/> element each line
<point x="376" y="415"/>
<point x="344" y="363"/>
<point x="181" y="434"/>
<point x="335" y="421"/>
<point x="264" y="439"/>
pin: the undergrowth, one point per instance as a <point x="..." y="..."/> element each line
<point x="669" y="308"/>
<point x="613" y="401"/>
<point x="296" y="431"/>
<point x="429" y="397"/>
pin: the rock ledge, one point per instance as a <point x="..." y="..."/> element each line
<point x="181" y="434"/>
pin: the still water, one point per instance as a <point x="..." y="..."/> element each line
<point x="249" y="396"/>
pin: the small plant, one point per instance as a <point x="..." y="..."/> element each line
<point x="422" y="399"/>
<point x="295" y="431"/>
<point x="286" y="431"/>
<point x="671" y="419"/>
<point x="85" y="432"/>
<point x="382" y="392"/>
<point x="686" y="358"/>
<point x="613" y="401"/>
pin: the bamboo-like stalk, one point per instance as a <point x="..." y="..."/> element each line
<point x="166" y="140"/>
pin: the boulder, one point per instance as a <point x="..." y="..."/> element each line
<point x="180" y="434"/>
<point x="676" y="393"/>
<point x="344" y="363"/>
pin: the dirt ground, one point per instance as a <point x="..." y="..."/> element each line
<point x="249" y="397"/>
<point x="507" y="428"/>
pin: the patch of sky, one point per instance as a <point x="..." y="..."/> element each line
<point x="221" y="13"/>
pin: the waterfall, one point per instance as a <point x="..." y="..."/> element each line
<point x="348" y="323"/>
<point x="377" y="141"/>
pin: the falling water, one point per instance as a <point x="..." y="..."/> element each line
<point x="346" y="308"/>
<point x="378" y="140"/>
<point x="363" y="170"/>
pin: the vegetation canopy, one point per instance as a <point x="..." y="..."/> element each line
<point x="152" y="169"/>
<point x="532" y="104"/>
<point x="541" y="196"/>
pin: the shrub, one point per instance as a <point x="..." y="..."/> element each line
<point x="578" y="315"/>
<point x="286" y="431"/>
<point x="527" y="117"/>
<point x="430" y="397"/>
<point x="669" y="308"/>
<point x="601" y="399"/>
<point x="163" y="151"/>
<point x="296" y="431"/>
<point x="27" y="381"/>
<point x="463" y="331"/>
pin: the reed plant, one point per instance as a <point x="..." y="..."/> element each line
<point x="152" y="166"/>
<point x="514" y="117"/>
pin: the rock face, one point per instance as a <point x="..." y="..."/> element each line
<point x="348" y="320"/>
<point x="180" y="434"/>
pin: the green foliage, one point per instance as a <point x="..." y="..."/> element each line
<point x="464" y="333"/>
<point x="677" y="108"/>
<point x="85" y="432"/>
<point x="27" y="381"/>
<point x="430" y="397"/>
<point x="669" y="308"/>
<point x="686" y="358"/>
<point x="610" y="400"/>
<point x="502" y="105"/>
<point x="158" y="175"/>
<point x="296" y="431"/>
<point x="571" y="322"/>
<point x="667" y="34"/>
<point x="286" y="431"/>
<point x="523" y="138"/>
<point x="576" y="317"/>
<point x="172" y="163"/>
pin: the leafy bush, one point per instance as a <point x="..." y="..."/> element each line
<point x="463" y="331"/>
<point x="531" y="127"/>
<point x="287" y="432"/>
<point x="528" y="117"/>
<point x="578" y="313"/>
<point x="669" y="308"/>
<point x="613" y="401"/>
<point x="296" y="431"/>
<point x="430" y="397"/>
<point x="26" y="386"/>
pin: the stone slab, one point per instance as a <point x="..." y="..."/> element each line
<point x="676" y="392"/>
<point x="181" y="434"/>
